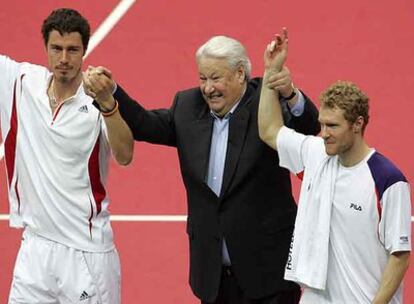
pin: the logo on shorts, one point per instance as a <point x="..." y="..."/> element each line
<point x="84" y="296"/>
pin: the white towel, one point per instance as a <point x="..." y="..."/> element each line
<point x="308" y="256"/>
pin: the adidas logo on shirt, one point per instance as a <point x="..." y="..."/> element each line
<point x="84" y="296"/>
<point x="84" y="109"/>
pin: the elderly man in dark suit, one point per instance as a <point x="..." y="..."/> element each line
<point x="241" y="211"/>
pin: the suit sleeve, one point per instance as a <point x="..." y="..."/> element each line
<point x="153" y="126"/>
<point x="307" y="123"/>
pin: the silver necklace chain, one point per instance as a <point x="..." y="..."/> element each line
<point x="53" y="100"/>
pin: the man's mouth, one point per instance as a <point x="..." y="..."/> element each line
<point x="213" y="97"/>
<point x="63" y="69"/>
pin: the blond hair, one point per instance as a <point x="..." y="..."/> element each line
<point x="347" y="96"/>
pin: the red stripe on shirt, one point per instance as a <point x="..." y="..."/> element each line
<point x="90" y="218"/>
<point x="300" y="175"/>
<point x="17" y="195"/>
<point x="57" y="112"/>
<point x="379" y="209"/>
<point x="10" y="142"/>
<point x="98" y="189"/>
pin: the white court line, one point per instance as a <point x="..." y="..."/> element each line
<point x="133" y="218"/>
<point x="148" y="218"/>
<point x="141" y="218"/>
<point x="107" y="25"/>
<point x="100" y="33"/>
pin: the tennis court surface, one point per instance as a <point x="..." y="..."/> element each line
<point x="149" y="46"/>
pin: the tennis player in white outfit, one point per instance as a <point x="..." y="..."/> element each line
<point x="352" y="237"/>
<point x="57" y="145"/>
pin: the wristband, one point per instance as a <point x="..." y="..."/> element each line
<point x="282" y="98"/>
<point x="110" y="112"/>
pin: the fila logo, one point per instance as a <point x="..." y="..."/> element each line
<point x="404" y="239"/>
<point x="84" y="296"/>
<point x="84" y="109"/>
<point x="355" y="207"/>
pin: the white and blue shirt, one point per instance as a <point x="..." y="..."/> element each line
<point x="370" y="219"/>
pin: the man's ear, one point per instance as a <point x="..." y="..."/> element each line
<point x="358" y="125"/>
<point x="241" y="74"/>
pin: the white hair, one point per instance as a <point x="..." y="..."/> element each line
<point x="223" y="47"/>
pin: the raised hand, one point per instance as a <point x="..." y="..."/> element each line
<point x="281" y="81"/>
<point x="99" y="85"/>
<point x="276" y="52"/>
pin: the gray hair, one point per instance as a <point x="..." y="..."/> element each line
<point x="227" y="48"/>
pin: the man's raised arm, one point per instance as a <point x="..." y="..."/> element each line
<point x="100" y="87"/>
<point x="270" y="117"/>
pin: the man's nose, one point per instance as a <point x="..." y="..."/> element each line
<point x="324" y="132"/>
<point x="64" y="57"/>
<point x="209" y="87"/>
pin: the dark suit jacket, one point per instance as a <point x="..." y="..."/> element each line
<point x="255" y="211"/>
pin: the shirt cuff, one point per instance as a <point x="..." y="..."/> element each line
<point x="298" y="109"/>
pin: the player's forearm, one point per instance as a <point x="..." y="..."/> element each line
<point x="392" y="277"/>
<point x="120" y="139"/>
<point x="270" y="118"/>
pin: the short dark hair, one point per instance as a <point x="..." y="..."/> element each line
<point x="66" y="20"/>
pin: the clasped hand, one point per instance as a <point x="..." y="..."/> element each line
<point x="277" y="75"/>
<point x="98" y="84"/>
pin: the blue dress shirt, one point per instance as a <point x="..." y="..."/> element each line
<point x="218" y="149"/>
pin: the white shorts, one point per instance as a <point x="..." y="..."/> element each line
<point x="47" y="272"/>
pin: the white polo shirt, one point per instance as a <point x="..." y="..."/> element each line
<point x="56" y="163"/>
<point x="370" y="219"/>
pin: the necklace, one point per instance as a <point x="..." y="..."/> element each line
<point x="53" y="101"/>
<point x="52" y="98"/>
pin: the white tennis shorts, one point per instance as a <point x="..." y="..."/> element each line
<point x="47" y="272"/>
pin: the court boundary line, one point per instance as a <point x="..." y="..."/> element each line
<point x="101" y="32"/>
<point x="108" y="24"/>
<point x="132" y="218"/>
<point x="141" y="218"/>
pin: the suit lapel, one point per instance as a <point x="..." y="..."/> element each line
<point x="202" y="128"/>
<point x="239" y="123"/>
